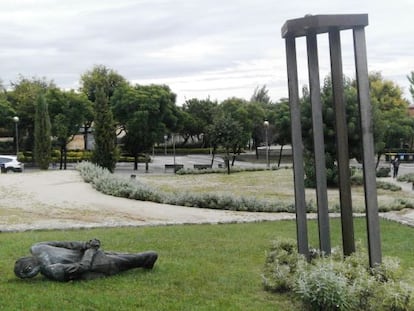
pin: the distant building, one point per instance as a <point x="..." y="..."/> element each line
<point x="411" y="110"/>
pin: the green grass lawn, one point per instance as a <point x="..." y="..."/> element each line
<point x="200" y="267"/>
<point x="269" y="185"/>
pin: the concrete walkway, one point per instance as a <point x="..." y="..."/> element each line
<point x="405" y="216"/>
<point x="60" y="199"/>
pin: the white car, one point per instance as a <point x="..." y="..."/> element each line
<point x="10" y="164"/>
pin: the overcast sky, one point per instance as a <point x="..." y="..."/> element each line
<point x="200" y="48"/>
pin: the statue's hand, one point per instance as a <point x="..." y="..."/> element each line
<point x="95" y="244"/>
<point x="73" y="268"/>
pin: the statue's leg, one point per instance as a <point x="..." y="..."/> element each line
<point x="111" y="263"/>
<point x="125" y="261"/>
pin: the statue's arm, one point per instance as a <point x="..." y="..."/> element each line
<point x="76" y="245"/>
<point x="73" y="271"/>
<point x="85" y="263"/>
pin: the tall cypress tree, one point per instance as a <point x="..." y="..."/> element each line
<point x="105" y="153"/>
<point x="42" y="134"/>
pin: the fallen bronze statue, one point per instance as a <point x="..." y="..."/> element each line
<point x="75" y="260"/>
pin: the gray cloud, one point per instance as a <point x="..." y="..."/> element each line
<point x="200" y="48"/>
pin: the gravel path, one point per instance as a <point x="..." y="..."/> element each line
<point x="62" y="200"/>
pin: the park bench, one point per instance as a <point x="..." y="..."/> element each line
<point x="202" y="166"/>
<point x="175" y="167"/>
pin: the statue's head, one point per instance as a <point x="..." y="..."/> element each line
<point x="26" y="267"/>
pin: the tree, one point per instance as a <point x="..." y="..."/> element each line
<point x="261" y="95"/>
<point x="42" y="134"/>
<point x="260" y="109"/>
<point x="23" y="98"/>
<point x="100" y="77"/>
<point x="411" y="80"/>
<point x="236" y="109"/>
<point x="105" y="153"/>
<point x="257" y="115"/>
<point x="282" y="126"/>
<point x="227" y="133"/>
<point x="199" y="114"/>
<point x="68" y="111"/>
<point x="7" y="113"/>
<point x="145" y="114"/>
<point x="393" y="127"/>
<point x="354" y="142"/>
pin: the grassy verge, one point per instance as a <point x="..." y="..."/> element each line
<point x="200" y="267"/>
<point x="273" y="186"/>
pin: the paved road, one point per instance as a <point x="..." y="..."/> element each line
<point x="158" y="162"/>
<point x="157" y="167"/>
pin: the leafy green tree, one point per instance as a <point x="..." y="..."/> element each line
<point x="256" y="115"/>
<point x="329" y="130"/>
<point x="7" y="111"/>
<point x="411" y="87"/>
<point x="198" y="115"/>
<point x="261" y="95"/>
<point x="227" y="133"/>
<point x="393" y="127"/>
<point x="236" y="109"/>
<point x="42" y="134"/>
<point x="68" y="111"/>
<point x="146" y="114"/>
<point x="105" y="153"/>
<point x="23" y="97"/>
<point x="282" y="125"/>
<point x="261" y="108"/>
<point x="7" y="114"/>
<point x="100" y="77"/>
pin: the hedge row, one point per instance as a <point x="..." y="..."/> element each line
<point x="111" y="184"/>
<point x="119" y="186"/>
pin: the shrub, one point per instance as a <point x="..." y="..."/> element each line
<point x="321" y="287"/>
<point x="396" y="296"/>
<point x="337" y="283"/>
<point x="190" y="171"/>
<point x="383" y="172"/>
<point x="407" y="177"/>
<point x="110" y="184"/>
<point x="388" y="186"/>
<point x="357" y="179"/>
<point x="396" y="205"/>
<point x="107" y="183"/>
<point x="115" y="185"/>
<point x="280" y="266"/>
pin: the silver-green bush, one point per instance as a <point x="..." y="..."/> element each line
<point x="321" y="287"/>
<point x="111" y="184"/>
<point x="280" y="266"/>
<point x="337" y="283"/>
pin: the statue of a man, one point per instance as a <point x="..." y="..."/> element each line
<point x="66" y="261"/>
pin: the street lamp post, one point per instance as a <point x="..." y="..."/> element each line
<point x="16" y="121"/>
<point x="173" y="141"/>
<point x="266" y="126"/>
<point x="165" y="144"/>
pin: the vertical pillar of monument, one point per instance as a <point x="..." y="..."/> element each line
<point x="297" y="148"/>
<point x="310" y="26"/>
<point x="319" y="144"/>
<point x="371" y="199"/>
<point x="342" y="150"/>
